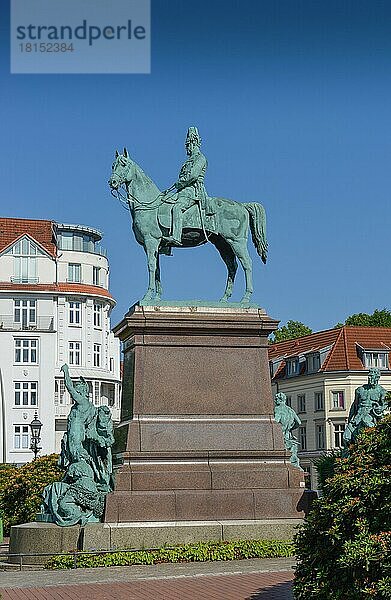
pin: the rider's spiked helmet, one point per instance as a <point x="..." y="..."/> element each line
<point x="193" y="136"/>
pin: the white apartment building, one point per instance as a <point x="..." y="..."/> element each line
<point x="54" y="309"/>
<point x="319" y="374"/>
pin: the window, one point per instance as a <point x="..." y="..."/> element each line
<point x="74" y="313"/>
<point x="97" y="315"/>
<point x="97" y="353"/>
<point x="338" y="400"/>
<point x="289" y="401"/>
<point x="303" y="437"/>
<point x="72" y="240"/>
<point x="21" y="437"/>
<point x="88" y="244"/>
<point x="25" y="393"/>
<point x="319" y="403"/>
<point x="320" y="437"/>
<point x="313" y="363"/>
<point x="301" y="403"/>
<point x="26" y="351"/>
<point x="25" y="261"/>
<point x="338" y="434"/>
<point x="59" y="392"/>
<point x="74" y="272"/>
<point x="292" y="367"/>
<point x="111" y="364"/>
<point x="25" y="312"/>
<point x="74" y="353"/>
<point x="77" y="242"/>
<point x="96" y="275"/>
<point x="376" y="359"/>
<point x="94" y="392"/>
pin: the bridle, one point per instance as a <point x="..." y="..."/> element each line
<point x="130" y="199"/>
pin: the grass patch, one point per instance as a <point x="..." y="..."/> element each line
<point x="198" y="552"/>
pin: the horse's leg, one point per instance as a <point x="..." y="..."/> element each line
<point x="151" y="246"/>
<point x="229" y="258"/>
<point x="239" y="247"/>
<point x="158" y="283"/>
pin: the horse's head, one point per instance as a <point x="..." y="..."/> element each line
<point x="121" y="170"/>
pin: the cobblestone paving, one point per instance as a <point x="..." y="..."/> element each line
<point x="268" y="579"/>
<point x="256" y="586"/>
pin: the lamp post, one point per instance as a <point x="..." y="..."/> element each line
<point x="35" y="427"/>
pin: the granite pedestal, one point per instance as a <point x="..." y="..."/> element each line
<point x="197" y="438"/>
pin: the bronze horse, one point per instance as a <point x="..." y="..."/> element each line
<point x="227" y="230"/>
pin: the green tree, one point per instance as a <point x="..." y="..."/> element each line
<point x="21" y="488"/>
<point x="379" y="318"/>
<point x="290" y="331"/>
<point x="344" y="546"/>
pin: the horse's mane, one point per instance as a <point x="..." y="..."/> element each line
<point x="147" y="181"/>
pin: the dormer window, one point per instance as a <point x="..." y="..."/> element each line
<point x="375" y="359"/>
<point x="292" y="367"/>
<point x="313" y="362"/>
<point x="25" y="253"/>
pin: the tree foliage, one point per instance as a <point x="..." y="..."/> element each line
<point x="21" y="488"/>
<point x="344" y="547"/>
<point x="290" y="331"/>
<point x="379" y="318"/>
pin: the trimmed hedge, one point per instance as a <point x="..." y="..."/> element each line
<point x="21" y="488"/>
<point x="199" y="552"/>
<point x="344" y="547"/>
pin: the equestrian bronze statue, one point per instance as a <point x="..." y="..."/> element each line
<point x="185" y="216"/>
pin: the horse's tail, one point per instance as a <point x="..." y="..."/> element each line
<point x="258" y="228"/>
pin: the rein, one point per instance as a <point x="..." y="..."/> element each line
<point x="129" y="199"/>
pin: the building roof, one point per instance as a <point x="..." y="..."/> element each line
<point x="342" y="347"/>
<point x="41" y="231"/>
<point x="57" y="288"/>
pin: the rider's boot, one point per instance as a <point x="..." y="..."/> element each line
<point x="176" y="236"/>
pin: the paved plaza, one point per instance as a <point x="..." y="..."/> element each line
<point x="268" y="579"/>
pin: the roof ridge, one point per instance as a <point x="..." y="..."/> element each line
<point x="345" y="343"/>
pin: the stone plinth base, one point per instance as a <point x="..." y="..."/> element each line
<point x="31" y="538"/>
<point x="197" y="438"/>
<point x="52" y="539"/>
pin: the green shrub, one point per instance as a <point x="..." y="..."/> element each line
<point x="344" y="547"/>
<point x="199" y="552"/>
<point x="325" y="466"/>
<point x="21" y="488"/>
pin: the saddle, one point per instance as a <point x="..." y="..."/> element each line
<point x="191" y="217"/>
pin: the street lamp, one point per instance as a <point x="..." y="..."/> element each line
<point x="35" y="427"/>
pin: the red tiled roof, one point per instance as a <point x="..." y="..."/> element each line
<point x="40" y="230"/>
<point x="57" y="288"/>
<point x="344" y="353"/>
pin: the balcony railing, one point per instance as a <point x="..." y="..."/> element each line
<point x="61" y="410"/>
<point x="15" y="279"/>
<point x="7" y="323"/>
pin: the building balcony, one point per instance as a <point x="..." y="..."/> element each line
<point x="18" y="279"/>
<point x="91" y="249"/>
<point x="61" y="411"/>
<point x="7" y="323"/>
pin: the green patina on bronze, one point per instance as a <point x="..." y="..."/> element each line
<point x="286" y="416"/>
<point x="86" y="456"/>
<point x="368" y="407"/>
<point x="188" y="217"/>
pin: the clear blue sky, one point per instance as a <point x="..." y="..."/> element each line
<point x="292" y="99"/>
